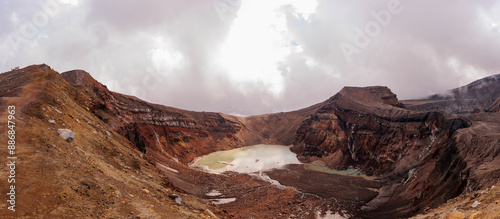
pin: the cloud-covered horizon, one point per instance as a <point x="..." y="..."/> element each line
<point x="252" y="56"/>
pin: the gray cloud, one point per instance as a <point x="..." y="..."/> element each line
<point x="412" y="53"/>
<point x="428" y="47"/>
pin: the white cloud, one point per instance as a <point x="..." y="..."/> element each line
<point x="70" y="2"/>
<point x="273" y="56"/>
<point x="165" y="57"/>
<point x="257" y="41"/>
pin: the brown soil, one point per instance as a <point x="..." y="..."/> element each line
<point x="487" y="200"/>
<point x="343" y="188"/>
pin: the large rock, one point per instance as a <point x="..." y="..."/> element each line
<point x="67" y="134"/>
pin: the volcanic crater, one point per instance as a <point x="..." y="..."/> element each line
<point x="133" y="158"/>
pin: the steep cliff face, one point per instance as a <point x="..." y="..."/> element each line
<point x="181" y="135"/>
<point x="425" y="158"/>
<point x="371" y="129"/>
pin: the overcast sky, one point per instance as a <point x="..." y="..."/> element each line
<point x="255" y="56"/>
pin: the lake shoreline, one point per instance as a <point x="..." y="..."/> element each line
<point x="261" y="157"/>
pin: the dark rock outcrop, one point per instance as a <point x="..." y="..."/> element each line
<point x="184" y="134"/>
<point x="417" y="153"/>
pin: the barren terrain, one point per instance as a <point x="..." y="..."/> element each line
<point x="131" y="158"/>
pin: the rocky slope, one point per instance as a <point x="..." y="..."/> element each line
<point x="482" y="95"/>
<point x="412" y="151"/>
<point x="184" y="134"/>
<point x="98" y="174"/>
<point x="422" y="153"/>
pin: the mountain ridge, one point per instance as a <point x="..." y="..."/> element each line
<point x="98" y="174"/>
<point x="420" y="157"/>
<point x="477" y="96"/>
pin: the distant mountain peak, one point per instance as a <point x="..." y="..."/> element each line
<point x="481" y="89"/>
<point x="79" y="78"/>
<point x="371" y="96"/>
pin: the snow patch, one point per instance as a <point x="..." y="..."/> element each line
<point x="475" y="204"/>
<point x="168" y="168"/>
<point x="266" y="178"/>
<point x="328" y="215"/>
<point x="221" y="201"/>
<point x="213" y="193"/>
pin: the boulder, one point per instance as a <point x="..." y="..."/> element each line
<point x="67" y="134"/>
<point x="475" y="204"/>
<point x="176" y="198"/>
<point x="209" y="213"/>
